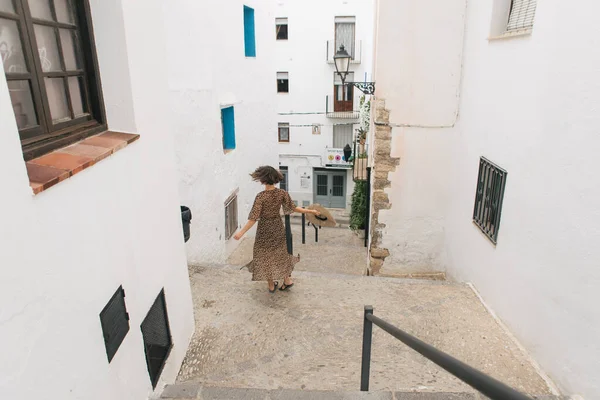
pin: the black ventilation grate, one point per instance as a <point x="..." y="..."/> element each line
<point x="115" y="323"/>
<point x="489" y="197"/>
<point x="157" y="338"/>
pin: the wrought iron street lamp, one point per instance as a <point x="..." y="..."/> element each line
<point x="341" y="60"/>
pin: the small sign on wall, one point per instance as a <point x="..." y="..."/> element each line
<point x="304" y="182"/>
<point x="335" y="157"/>
<point x="316" y="129"/>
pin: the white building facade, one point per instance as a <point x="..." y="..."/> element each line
<point x="317" y="116"/>
<point x="493" y="116"/>
<point x="104" y="221"/>
<point x="220" y="81"/>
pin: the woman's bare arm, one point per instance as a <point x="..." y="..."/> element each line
<point x="245" y="229"/>
<point x="305" y="211"/>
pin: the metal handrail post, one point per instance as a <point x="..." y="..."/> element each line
<point x="288" y="235"/>
<point x="303" y="228"/>
<point x="366" y="350"/>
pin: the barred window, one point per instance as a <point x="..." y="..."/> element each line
<point x="488" y="198"/>
<point x="522" y="14"/>
<point x="231" y="216"/>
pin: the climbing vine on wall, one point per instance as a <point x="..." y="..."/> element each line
<point x="358" y="210"/>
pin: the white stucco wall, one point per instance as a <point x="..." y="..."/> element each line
<point x="529" y="104"/>
<point x="207" y="71"/>
<point x="65" y="251"/>
<point x="419" y="78"/>
<point x="311" y="25"/>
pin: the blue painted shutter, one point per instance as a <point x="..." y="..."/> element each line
<point x="228" y="121"/>
<point x="249" y="34"/>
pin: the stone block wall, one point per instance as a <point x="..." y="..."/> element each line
<point x="383" y="164"/>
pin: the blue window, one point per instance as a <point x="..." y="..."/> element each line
<point x="228" y="123"/>
<point x="249" y="34"/>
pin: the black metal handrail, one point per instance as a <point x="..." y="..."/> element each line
<point x="485" y="384"/>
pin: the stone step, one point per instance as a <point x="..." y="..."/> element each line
<point x="187" y="391"/>
<point x="194" y="391"/>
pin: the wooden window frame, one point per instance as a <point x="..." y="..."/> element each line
<point x="48" y="136"/>
<point x="279" y="127"/>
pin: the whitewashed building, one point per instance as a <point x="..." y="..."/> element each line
<point x="317" y="116"/>
<point x="486" y="140"/>
<point x="95" y="299"/>
<point x="222" y="98"/>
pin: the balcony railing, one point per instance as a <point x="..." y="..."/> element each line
<point x="356" y="55"/>
<point x="331" y="113"/>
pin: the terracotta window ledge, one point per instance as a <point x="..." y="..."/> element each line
<point x="50" y="169"/>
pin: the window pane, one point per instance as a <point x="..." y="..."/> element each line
<point x="282" y="32"/>
<point x="11" y="50"/>
<point x="69" y="41"/>
<point x="7" y="6"/>
<point x="57" y="98"/>
<point x="47" y="48"/>
<point x="22" y="103"/>
<point x="344" y="36"/>
<point x="283" y="86"/>
<point x="284" y="134"/>
<point x="76" y="92"/>
<point x="64" y="11"/>
<point x="40" y="9"/>
<point x="338" y="185"/>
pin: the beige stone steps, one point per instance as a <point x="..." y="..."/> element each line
<point x="197" y="391"/>
<point x="310" y="338"/>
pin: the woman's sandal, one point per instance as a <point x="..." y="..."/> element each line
<point x="274" y="288"/>
<point x="285" y="288"/>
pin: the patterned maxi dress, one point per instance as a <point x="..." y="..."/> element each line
<point x="271" y="259"/>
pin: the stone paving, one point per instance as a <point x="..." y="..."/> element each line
<point x="339" y="250"/>
<point x="310" y="338"/>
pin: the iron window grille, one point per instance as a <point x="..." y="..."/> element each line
<point x="47" y="49"/>
<point x="231" y="216"/>
<point x="115" y="323"/>
<point x="157" y="338"/>
<point x="521" y="15"/>
<point x="491" y="183"/>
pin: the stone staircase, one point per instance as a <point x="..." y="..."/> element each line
<point x="306" y="343"/>
<point x="188" y="391"/>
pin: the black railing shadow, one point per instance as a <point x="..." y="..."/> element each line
<point x="485" y="384"/>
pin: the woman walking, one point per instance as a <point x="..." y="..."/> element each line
<point x="271" y="261"/>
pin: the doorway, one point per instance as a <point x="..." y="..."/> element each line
<point x="330" y="188"/>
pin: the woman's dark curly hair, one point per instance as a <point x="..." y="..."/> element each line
<point x="267" y="175"/>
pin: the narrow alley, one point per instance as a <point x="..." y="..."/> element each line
<point x="310" y="338"/>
